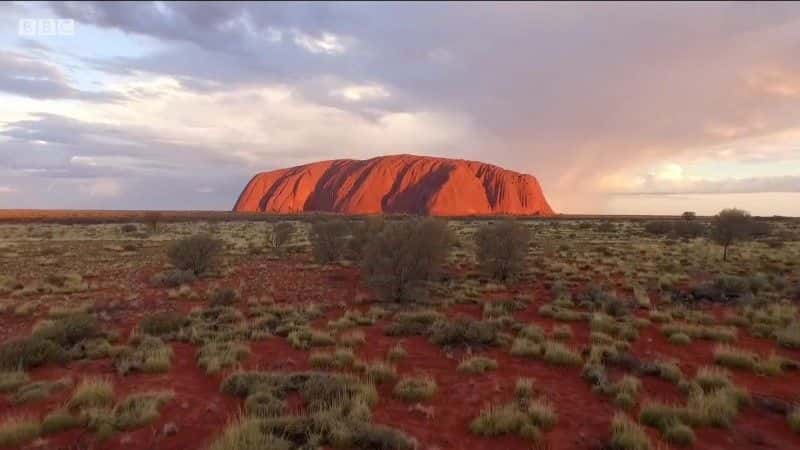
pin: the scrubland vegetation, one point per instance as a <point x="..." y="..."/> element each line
<point x="402" y="332"/>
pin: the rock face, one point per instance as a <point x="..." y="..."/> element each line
<point x="395" y="184"/>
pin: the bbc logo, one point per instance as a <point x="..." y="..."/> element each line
<point x="46" y="27"/>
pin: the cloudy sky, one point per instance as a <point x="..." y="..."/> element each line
<point x="616" y="108"/>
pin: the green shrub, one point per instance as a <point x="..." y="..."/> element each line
<point x="399" y="261"/>
<point x="198" y="254"/>
<point x="69" y="330"/>
<point x="264" y="404"/>
<point x="29" y="352"/>
<point x="138" y="410"/>
<point x="163" y="324"/>
<point x="92" y="393"/>
<point x="328" y="240"/>
<point x="502" y="248"/>
<point x="726" y="355"/>
<point x="173" y="278"/>
<point x="279" y="236"/>
<point x="464" y="331"/>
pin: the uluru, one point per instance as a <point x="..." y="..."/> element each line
<point x="400" y="184"/>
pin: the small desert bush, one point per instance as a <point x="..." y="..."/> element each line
<point x="165" y="324"/>
<point x="627" y="434"/>
<point x="559" y="354"/>
<point x="542" y="413"/>
<point x="69" y="330"/>
<point x="173" y="278"/>
<point x="148" y="354"/>
<point x="140" y="409"/>
<point x="16" y="431"/>
<point x="399" y="261"/>
<point x="328" y="240"/>
<point x="500" y="420"/>
<point x="380" y="372"/>
<point x="626" y="391"/>
<point x="414" y="389"/>
<point x="246" y="434"/>
<point x="526" y="419"/>
<point x="198" y="254"/>
<point x="223" y="297"/>
<point x="726" y="355"/>
<point x="341" y="357"/>
<point x="11" y="380"/>
<point x="92" y="393"/>
<point x="353" y="338"/>
<point x="669" y="370"/>
<point x="524" y="388"/>
<point x="789" y="337"/>
<point x="680" y="339"/>
<point x="39" y="390"/>
<point x="562" y="332"/>
<point x="264" y="404"/>
<point x="679" y="434"/>
<point x="60" y="420"/>
<point x="29" y="352"/>
<point x="413" y="323"/>
<point x="477" y="364"/>
<point x="711" y="333"/>
<point x="217" y="355"/>
<point x="502" y="248"/>
<point x="464" y="331"/>
<point x="396" y="353"/>
<point x="277" y="238"/>
<point x="711" y="378"/>
<point x="522" y="346"/>
<point x="793" y="418"/>
<point x="305" y="338"/>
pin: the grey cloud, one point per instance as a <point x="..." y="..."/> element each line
<point x="567" y="92"/>
<point x="787" y="183"/>
<point x="23" y="75"/>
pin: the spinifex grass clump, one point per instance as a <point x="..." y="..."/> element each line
<point x="217" y="355"/>
<point x="464" y="331"/>
<point x="414" y="389"/>
<point x="525" y="416"/>
<point x="627" y="434"/>
<point x="336" y="414"/>
<point x="147" y="354"/>
<point x="52" y="341"/>
<point x="18" y="430"/>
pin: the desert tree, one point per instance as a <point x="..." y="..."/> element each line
<point x="401" y="259"/>
<point x="277" y="236"/>
<point x="328" y="240"/>
<point x="729" y="226"/>
<point x="362" y="231"/>
<point x="198" y="254"/>
<point x="502" y="248"/>
<point x="689" y="215"/>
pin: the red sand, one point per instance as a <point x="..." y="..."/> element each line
<point x="395" y="184"/>
<point x="200" y="411"/>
